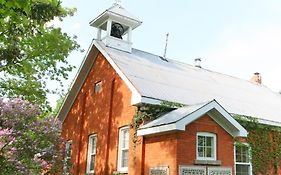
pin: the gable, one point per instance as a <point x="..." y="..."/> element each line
<point x="83" y="72"/>
<point x="178" y="119"/>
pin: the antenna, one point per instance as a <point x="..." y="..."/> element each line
<point x="117" y="2"/>
<point x="165" y="51"/>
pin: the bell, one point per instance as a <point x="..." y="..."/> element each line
<point x="117" y="30"/>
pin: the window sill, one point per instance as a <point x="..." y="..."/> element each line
<point x="207" y="162"/>
<point x="120" y="172"/>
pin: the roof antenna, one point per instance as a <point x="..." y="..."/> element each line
<point x="165" y="51"/>
<point x="117" y="2"/>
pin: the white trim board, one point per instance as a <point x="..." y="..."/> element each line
<point x="222" y="117"/>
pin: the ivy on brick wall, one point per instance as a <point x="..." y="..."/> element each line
<point x="264" y="140"/>
<point x="148" y="112"/>
<point x="265" y="145"/>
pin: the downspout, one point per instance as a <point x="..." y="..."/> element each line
<point x="109" y="125"/>
<point x="81" y="129"/>
<point x="143" y="156"/>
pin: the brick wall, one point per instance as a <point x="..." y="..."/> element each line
<point x="179" y="148"/>
<point x="100" y="113"/>
<point x="105" y="112"/>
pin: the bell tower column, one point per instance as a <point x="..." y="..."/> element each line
<point x="108" y="28"/>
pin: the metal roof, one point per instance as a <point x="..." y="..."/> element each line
<point x="179" y="118"/>
<point x="170" y="80"/>
<point x="173" y="116"/>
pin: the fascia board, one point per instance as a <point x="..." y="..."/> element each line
<point x="148" y="100"/>
<point x="180" y="124"/>
<point x="155" y="130"/>
<point x="193" y="116"/>
<point x="242" y="131"/>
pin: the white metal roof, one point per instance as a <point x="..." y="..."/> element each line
<point x="155" y="78"/>
<point x="173" y="116"/>
<point x="179" y="118"/>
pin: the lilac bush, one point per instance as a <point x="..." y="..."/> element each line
<point x="29" y="144"/>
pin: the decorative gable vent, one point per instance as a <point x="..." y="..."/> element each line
<point x="116" y="24"/>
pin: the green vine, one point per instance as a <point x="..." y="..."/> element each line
<point x="265" y="144"/>
<point x="264" y="140"/>
<point x="148" y="112"/>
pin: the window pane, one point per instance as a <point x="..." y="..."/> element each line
<point x="209" y="152"/>
<point x="201" y="152"/>
<point x="68" y="149"/>
<point x="125" y="143"/>
<point x="201" y="140"/>
<point x="242" y="154"/>
<point x="124" y="161"/>
<point x="209" y="141"/>
<point x="93" y="145"/>
<point x="92" y="164"/>
<point x="97" y="87"/>
<point x="242" y="169"/>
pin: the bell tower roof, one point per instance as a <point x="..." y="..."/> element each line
<point x="117" y="13"/>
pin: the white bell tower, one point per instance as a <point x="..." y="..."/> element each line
<point x="115" y="27"/>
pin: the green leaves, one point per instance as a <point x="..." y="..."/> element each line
<point x="32" y="54"/>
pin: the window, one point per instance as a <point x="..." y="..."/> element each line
<point x="242" y="160"/>
<point x="123" y="149"/>
<point x="67" y="157"/>
<point x="206" y="146"/>
<point x="92" y="143"/>
<point x="98" y="87"/>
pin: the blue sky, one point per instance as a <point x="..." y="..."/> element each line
<point x="232" y="37"/>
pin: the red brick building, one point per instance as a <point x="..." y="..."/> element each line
<point x="116" y="80"/>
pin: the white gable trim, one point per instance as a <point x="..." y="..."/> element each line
<point x="158" y="129"/>
<point x="180" y="124"/>
<point x="79" y="80"/>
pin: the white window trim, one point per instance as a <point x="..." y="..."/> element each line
<point x="97" y="86"/>
<point x="122" y="169"/>
<point x="206" y="134"/>
<point x="89" y="154"/>
<point x="240" y="163"/>
<point x="68" y="144"/>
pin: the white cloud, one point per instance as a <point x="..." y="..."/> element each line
<point x="55" y="23"/>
